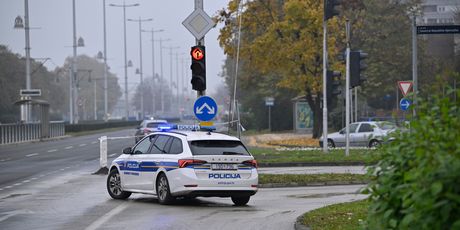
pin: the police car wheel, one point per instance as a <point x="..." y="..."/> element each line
<point x="163" y="192"/>
<point x="114" y="186"/>
<point x="240" y="200"/>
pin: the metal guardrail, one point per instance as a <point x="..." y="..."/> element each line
<point x="17" y="133"/>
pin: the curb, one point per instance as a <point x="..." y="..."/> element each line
<point x="304" y="164"/>
<point x="311" y="184"/>
<point x="298" y="225"/>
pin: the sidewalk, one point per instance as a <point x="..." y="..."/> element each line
<point x="313" y="170"/>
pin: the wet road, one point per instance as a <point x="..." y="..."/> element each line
<point x="49" y="185"/>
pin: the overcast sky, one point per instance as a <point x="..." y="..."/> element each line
<point x="53" y="36"/>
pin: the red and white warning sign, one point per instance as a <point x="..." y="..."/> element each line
<point x="405" y="87"/>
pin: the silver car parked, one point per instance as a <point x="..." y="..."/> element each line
<point x="362" y="134"/>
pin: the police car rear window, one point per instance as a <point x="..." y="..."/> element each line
<point x="154" y="124"/>
<point x="218" y="147"/>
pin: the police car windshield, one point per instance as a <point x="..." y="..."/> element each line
<point x="154" y="124"/>
<point x="218" y="147"/>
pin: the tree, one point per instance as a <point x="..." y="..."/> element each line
<point x="283" y="40"/>
<point x="90" y="71"/>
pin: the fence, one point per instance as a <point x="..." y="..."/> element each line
<point x="16" y="133"/>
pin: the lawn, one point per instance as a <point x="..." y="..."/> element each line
<point x="306" y="179"/>
<point x="344" y="216"/>
<point x="265" y="156"/>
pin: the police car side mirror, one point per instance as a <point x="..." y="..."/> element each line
<point x="127" y="150"/>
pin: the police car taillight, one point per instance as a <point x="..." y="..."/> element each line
<point x="146" y="131"/>
<point x="186" y="162"/>
<point x="252" y="163"/>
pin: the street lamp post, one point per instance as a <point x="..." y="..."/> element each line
<point x="152" y="31"/>
<point x="124" y="5"/>
<point x="161" y="73"/>
<point x="140" y="59"/>
<point x="74" y="94"/>
<point x="25" y="109"/>
<point x="171" y="68"/>
<point x="106" y="106"/>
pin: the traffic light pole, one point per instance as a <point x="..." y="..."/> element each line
<point x="414" y="60"/>
<point x="325" y="86"/>
<point x="199" y="42"/>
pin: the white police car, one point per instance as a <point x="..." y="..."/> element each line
<point x="179" y="163"/>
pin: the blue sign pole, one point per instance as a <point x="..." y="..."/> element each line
<point x="205" y="108"/>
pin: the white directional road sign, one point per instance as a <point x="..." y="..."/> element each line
<point x="405" y="87"/>
<point x="198" y="23"/>
<point x="205" y="108"/>
<point x="404" y="104"/>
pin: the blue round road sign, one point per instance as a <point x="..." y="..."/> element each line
<point x="404" y="104"/>
<point x="205" y="108"/>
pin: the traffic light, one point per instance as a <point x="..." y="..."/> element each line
<point x="357" y="66"/>
<point x="198" y="68"/>
<point x="330" y="9"/>
<point x="332" y="86"/>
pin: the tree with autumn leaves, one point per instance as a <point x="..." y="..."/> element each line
<point x="281" y="42"/>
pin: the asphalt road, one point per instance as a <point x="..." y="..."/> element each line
<point x="49" y="185"/>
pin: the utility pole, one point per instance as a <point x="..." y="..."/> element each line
<point x="325" y="86"/>
<point x="347" y="92"/>
<point x="152" y="31"/>
<point x="199" y="42"/>
<point x="161" y="73"/>
<point x="414" y="60"/>
<point x="106" y="98"/>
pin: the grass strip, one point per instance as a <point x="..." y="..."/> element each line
<point x="344" y="216"/>
<point x="264" y="155"/>
<point x="303" y="179"/>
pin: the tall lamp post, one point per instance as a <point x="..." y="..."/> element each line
<point x="152" y="31"/>
<point x="106" y="105"/>
<point x="124" y="5"/>
<point x="18" y="24"/>
<point x="161" y="73"/>
<point x="140" y="59"/>
<point x="76" y="43"/>
<point x="171" y="67"/>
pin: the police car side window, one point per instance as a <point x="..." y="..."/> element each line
<point x="143" y="146"/>
<point x="159" y="145"/>
<point x="176" y="146"/>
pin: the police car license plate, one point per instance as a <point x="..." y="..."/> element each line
<point x="224" y="167"/>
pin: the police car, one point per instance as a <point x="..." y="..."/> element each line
<point x="185" y="163"/>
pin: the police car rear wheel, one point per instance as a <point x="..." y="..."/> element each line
<point x="163" y="192"/>
<point x="240" y="200"/>
<point x="114" y="186"/>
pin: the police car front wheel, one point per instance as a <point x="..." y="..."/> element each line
<point x="114" y="186"/>
<point x="240" y="200"/>
<point x="163" y="192"/>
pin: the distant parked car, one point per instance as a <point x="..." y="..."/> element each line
<point x="364" y="134"/>
<point x="146" y="127"/>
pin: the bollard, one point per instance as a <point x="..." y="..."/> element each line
<point x="103" y="156"/>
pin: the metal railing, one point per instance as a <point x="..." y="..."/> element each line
<point x="17" y="133"/>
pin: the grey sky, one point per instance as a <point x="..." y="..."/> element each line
<point x="53" y="38"/>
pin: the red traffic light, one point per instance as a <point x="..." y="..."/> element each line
<point x="197" y="53"/>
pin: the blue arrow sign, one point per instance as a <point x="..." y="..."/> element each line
<point x="205" y="108"/>
<point x="404" y="104"/>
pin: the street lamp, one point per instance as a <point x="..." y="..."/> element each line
<point x="161" y="72"/>
<point x="130" y="63"/>
<point x="152" y="31"/>
<point x="171" y="67"/>
<point x="125" y="49"/>
<point x="19" y="24"/>
<point x="140" y="58"/>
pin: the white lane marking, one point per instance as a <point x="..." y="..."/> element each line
<point x="1" y="189"/>
<point x="13" y="213"/>
<point x="33" y="178"/>
<point x="52" y="150"/>
<point x="32" y="154"/>
<point x="68" y="147"/>
<point x="81" y="145"/>
<point x="99" y="222"/>
<point x="113" y="154"/>
<point x="25" y="181"/>
<point x="6" y="159"/>
<point x="9" y="186"/>
<point x="94" y="142"/>
<point x="17" y="184"/>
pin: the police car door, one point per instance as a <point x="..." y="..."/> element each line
<point x="133" y="165"/>
<point x="152" y="161"/>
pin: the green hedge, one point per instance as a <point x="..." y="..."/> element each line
<point x="418" y="180"/>
<point x="99" y="125"/>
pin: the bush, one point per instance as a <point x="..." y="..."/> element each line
<point x="417" y="183"/>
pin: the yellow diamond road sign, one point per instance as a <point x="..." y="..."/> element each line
<point x="198" y="23"/>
